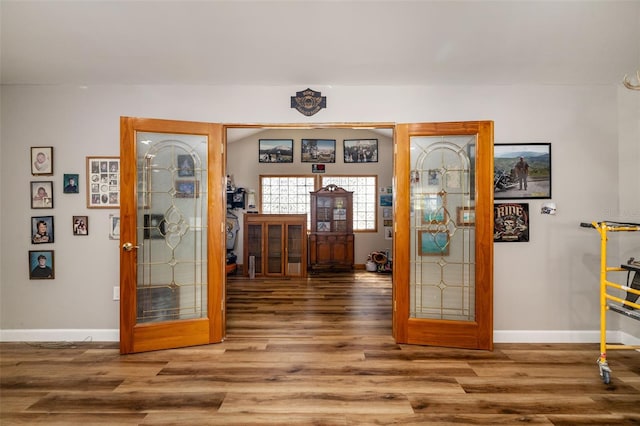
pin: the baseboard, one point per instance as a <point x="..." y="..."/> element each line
<point x="499" y="336"/>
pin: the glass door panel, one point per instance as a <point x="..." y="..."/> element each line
<point x="274" y="249"/>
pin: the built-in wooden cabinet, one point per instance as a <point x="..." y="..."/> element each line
<point x="277" y="243"/>
<point x="331" y="238"/>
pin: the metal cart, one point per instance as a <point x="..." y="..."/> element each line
<point x="610" y="302"/>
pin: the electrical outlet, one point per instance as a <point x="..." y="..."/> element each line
<point x="116" y="293"/>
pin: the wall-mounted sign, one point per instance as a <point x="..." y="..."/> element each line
<point x="317" y="168"/>
<point x="308" y="102"/>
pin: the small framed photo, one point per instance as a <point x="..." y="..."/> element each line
<point x="103" y="182"/>
<point x="80" y="225"/>
<point x="317" y="168"/>
<point x="42" y="231"/>
<point x="186" y="165"/>
<point x="360" y="150"/>
<point x="42" y="160"/>
<point x="275" y="150"/>
<point x="522" y="170"/>
<point x="114" y="227"/>
<point x="433" y="243"/>
<point x="154" y="226"/>
<point x="41" y="265"/>
<point x="187" y="188"/>
<point x="70" y="183"/>
<point x="466" y="216"/>
<point x="511" y="222"/>
<point x="434" y="208"/>
<point x="42" y="194"/>
<point x="324" y="227"/>
<point x="318" y="151"/>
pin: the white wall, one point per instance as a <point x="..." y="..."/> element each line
<point x="546" y="289"/>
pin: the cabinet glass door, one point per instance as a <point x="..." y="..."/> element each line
<point x="294" y="249"/>
<point x="254" y="240"/>
<point x="274" y="249"/>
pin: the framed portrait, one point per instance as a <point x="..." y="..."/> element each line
<point x="187" y="188"/>
<point x="80" y="225"/>
<point x="434" y="208"/>
<point x="511" y="222"/>
<point x="318" y="151"/>
<point x="41" y="265"/>
<point x="522" y="170"/>
<point x="103" y="182"/>
<point x="466" y="216"/>
<point x="186" y="165"/>
<point x="360" y="150"/>
<point x="114" y="227"/>
<point x="154" y="226"/>
<point x="275" y="150"/>
<point x="433" y="243"/>
<point x="42" y="160"/>
<point x="70" y="183"/>
<point x="42" y="194"/>
<point x="42" y="231"/>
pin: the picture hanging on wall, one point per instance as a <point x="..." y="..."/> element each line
<point x="41" y="265"/>
<point x="42" y="160"/>
<point x="80" y="225"/>
<point x="275" y="150"/>
<point x="103" y="182"/>
<point x="522" y="170"/>
<point x="360" y="150"/>
<point x="114" y="227"/>
<point x="318" y="151"/>
<point x="70" y="183"/>
<point x="511" y="222"/>
<point x="433" y="243"/>
<point x="42" y="231"/>
<point x="42" y="194"/>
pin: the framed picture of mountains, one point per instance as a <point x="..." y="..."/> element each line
<point x="521" y="170"/>
<point x="275" y="150"/>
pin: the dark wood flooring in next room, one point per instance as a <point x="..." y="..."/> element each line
<point x="315" y="351"/>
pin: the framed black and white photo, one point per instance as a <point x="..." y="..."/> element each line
<point x="318" y="150"/>
<point x="42" y="231"/>
<point x="80" y="225"/>
<point x="275" y="150"/>
<point x="42" y="160"/>
<point x="522" y="170"/>
<point x="41" y="265"/>
<point x="70" y="183"/>
<point x="360" y="150"/>
<point x="42" y="194"/>
<point x="103" y="182"/>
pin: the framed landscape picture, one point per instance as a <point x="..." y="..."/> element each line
<point x="522" y="170"/>
<point x="318" y="151"/>
<point x="275" y="150"/>
<point x="360" y="150"/>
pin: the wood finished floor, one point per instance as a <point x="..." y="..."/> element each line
<point x="317" y="351"/>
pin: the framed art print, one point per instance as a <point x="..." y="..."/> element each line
<point x="522" y="171"/>
<point x="42" y="160"/>
<point x="275" y="150"/>
<point x="187" y="188"/>
<point x="466" y="216"/>
<point x="511" y="222"/>
<point x="360" y="150"/>
<point x="186" y="166"/>
<point x="433" y="243"/>
<point x="103" y="182"/>
<point x="434" y="208"/>
<point x="318" y="150"/>
<point x="42" y="194"/>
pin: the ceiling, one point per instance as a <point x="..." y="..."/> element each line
<point x="311" y="43"/>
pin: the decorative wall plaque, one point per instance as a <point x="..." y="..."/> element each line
<point x="308" y="102"/>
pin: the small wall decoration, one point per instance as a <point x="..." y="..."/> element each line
<point x="187" y="188"/>
<point x="522" y="170"/>
<point x="186" y="167"/>
<point x="42" y="231"/>
<point x="466" y="216"/>
<point x="42" y="194"/>
<point x="80" y="225"/>
<point x="360" y="150"/>
<point x="275" y="150"/>
<point x="318" y="151"/>
<point x="434" y="208"/>
<point x="317" y="168"/>
<point x="114" y="227"/>
<point x="42" y="160"/>
<point x="433" y="243"/>
<point x="103" y="182"/>
<point x="308" y="102"/>
<point x="511" y="222"/>
<point x="41" y="265"/>
<point x="70" y="183"/>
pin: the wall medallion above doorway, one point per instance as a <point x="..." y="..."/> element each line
<point x="308" y="102"/>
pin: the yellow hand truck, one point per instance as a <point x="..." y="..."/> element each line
<point x="610" y="302"/>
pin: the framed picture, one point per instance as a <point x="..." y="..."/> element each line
<point x="324" y="227"/>
<point x="187" y="188"/>
<point x="70" y="183"/>
<point x="511" y="222"/>
<point x="154" y="226"/>
<point x="42" y="194"/>
<point x="41" y="265"/>
<point x="360" y="150"/>
<point x="186" y="165"/>
<point x="434" y="208"/>
<point x="433" y="243"/>
<point x="466" y="216"/>
<point x="317" y="168"/>
<point x="522" y="170"/>
<point x="80" y="225"/>
<point x="103" y="182"/>
<point x="42" y="160"/>
<point x="42" y="231"/>
<point x="275" y="150"/>
<point x="318" y="151"/>
<point x="114" y="227"/>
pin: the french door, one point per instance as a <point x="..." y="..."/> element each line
<point x="172" y="245"/>
<point x="443" y="241"/>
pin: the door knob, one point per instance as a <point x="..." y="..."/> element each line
<point x="128" y="247"/>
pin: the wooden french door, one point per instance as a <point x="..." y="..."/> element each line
<point x="172" y="242"/>
<point x="443" y="241"/>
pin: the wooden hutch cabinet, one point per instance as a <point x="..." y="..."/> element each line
<point x="331" y="236"/>
<point x="278" y="243"/>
